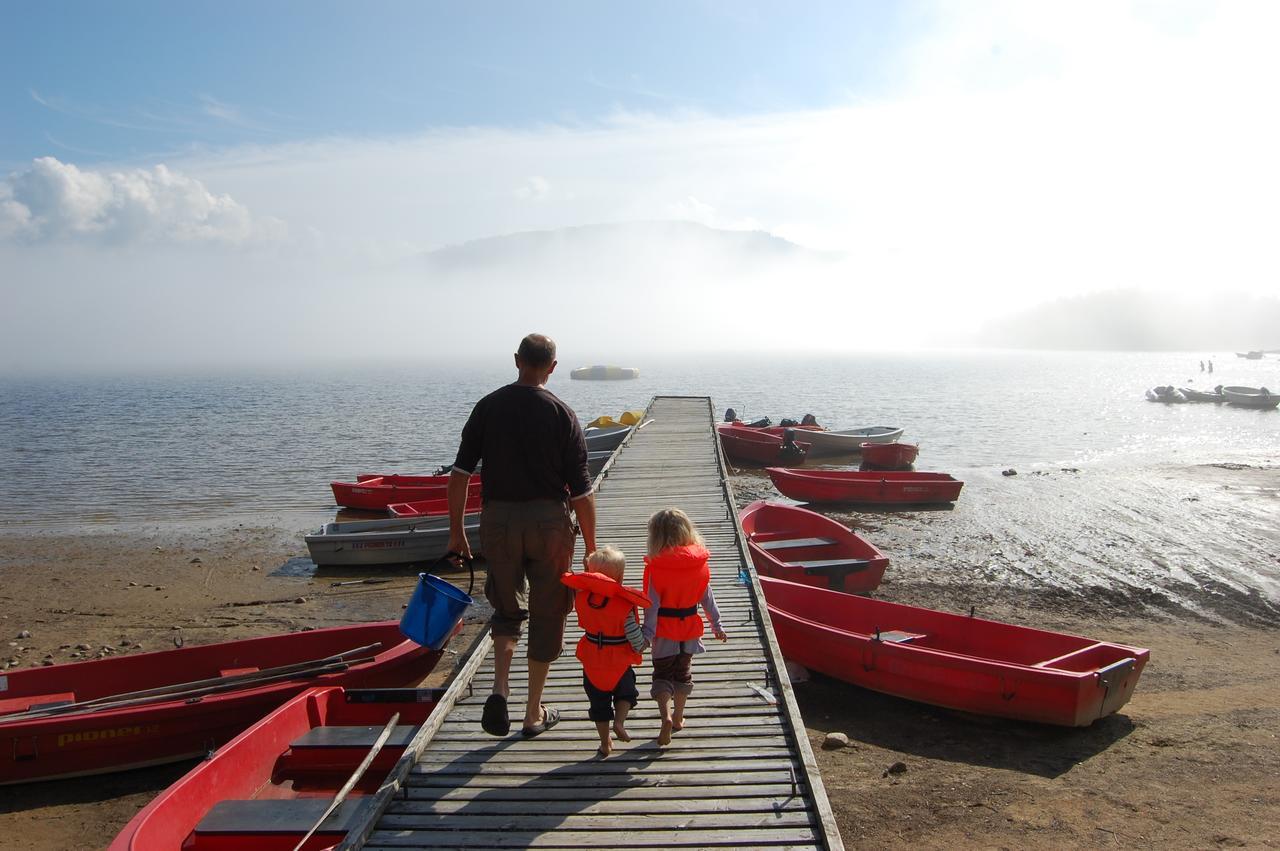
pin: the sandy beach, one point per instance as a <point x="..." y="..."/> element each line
<point x="1193" y="761"/>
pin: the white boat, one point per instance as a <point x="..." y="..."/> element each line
<point x="1194" y="395"/>
<point x="1167" y="394"/>
<point x="398" y="540"/>
<point x="1250" y="397"/>
<point x="844" y="441"/>
<point x="605" y="439"/>
<point x="600" y="372"/>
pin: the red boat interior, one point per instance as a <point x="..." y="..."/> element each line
<point x="101" y="678"/>
<point x="265" y="789"/>
<point x="943" y="631"/>
<point x="433" y="507"/>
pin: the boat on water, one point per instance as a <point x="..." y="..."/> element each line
<point x="607" y="438"/>
<point x="958" y="662"/>
<point x="755" y="446"/>
<point x="269" y="785"/>
<point x="601" y="372"/>
<point x="145" y="709"/>
<point x="1250" y="397"/>
<point x="803" y="546"/>
<point x="843" y="442"/>
<point x="391" y="540"/>
<point x="1167" y="394"/>
<point x="376" y="492"/>
<point x="889" y="456"/>
<point x="1193" y="395"/>
<point x="1255" y="355"/>
<point x="865" y="487"/>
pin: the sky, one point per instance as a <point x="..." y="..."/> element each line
<point x="240" y="182"/>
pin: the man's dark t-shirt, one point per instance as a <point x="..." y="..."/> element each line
<point x="531" y="444"/>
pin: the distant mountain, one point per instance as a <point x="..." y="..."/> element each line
<point x="653" y="244"/>
<point x="1134" y="320"/>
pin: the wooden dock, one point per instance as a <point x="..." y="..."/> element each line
<point x="741" y="774"/>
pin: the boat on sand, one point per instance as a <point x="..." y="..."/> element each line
<point x="144" y="709"/>
<point x="392" y="540"/>
<point x="756" y="446"/>
<point x="375" y="493"/>
<point x="889" y="456"/>
<point x="870" y="487"/>
<point x="268" y="786"/>
<point x="803" y="546"/>
<point x="958" y="662"/>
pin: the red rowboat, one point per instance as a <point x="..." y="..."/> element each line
<point x="958" y="662"/>
<point x="375" y="493"/>
<point x="150" y="708"/>
<point x="431" y="507"/>
<point x="888" y="488"/>
<point x="754" y="446"/>
<point x="889" y="456"/>
<point x="803" y="546"/>
<point x="268" y="786"/>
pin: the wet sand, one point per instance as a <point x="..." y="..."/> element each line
<point x="1181" y="560"/>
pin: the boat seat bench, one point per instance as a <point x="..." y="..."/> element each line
<point x="29" y="702"/>
<point x="353" y="737"/>
<point x="278" y="815"/>
<point x="832" y="567"/>
<point x="790" y="543"/>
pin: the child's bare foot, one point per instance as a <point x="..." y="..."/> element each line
<point x="623" y="735"/>
<point x="606" y="748"/>
<point x="664" y="736"/>
<point x="677" y="724"/>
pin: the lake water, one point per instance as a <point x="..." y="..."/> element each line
<point x="118" y="451"/>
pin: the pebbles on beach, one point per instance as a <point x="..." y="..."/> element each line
<point x="835" y="741"/>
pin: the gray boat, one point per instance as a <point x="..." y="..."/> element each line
<point x="605" y="439"/>
<point x="397" y="540"/>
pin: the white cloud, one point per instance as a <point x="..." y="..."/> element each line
<point x="56" y="201"/>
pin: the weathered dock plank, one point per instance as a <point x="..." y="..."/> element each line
<point x="741" y="774"/>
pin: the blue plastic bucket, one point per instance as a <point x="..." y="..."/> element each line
<point x="434" y="610"/>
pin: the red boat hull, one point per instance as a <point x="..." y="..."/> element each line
<point x="431" y="507"/>
<point x="753" y="446"/>
<point x="889" y="456"/>
<point x="803" y="546"/>
<point x="375" y="493"/>
<point x="949" y="660"/>
<point x="175" y="729"/>
<point x="887" y="488"/>
<point x="264" y="763"/>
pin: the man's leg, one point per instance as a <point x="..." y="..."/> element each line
<point x="537" y="681"/>
<point x="504" y="650"/>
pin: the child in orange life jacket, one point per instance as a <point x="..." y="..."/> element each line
<point x="605" y="607"/>
<point x="677" y="581"/>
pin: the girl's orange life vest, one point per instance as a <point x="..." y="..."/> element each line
<point x="681" y="576"/>
<point x="604" y="606"/>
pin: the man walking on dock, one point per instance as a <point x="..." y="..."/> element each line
<point x="535" y="471"/>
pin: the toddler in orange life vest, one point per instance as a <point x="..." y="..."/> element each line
<point x="677" y="580"/>
<point x="608" y="649"/>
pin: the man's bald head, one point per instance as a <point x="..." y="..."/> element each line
<point x="537" y="351"/>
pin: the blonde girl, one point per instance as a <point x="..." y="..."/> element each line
<point x="677" y="580"/>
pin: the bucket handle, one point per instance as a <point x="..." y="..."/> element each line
<point x="455" y="558"/>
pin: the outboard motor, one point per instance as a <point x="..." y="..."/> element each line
<point x="787" y="422"/>
<point x="809" y="420"/>
<point x="730" y="415"/>
<point x="790" y="452"/>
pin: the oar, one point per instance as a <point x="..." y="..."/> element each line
<point x="353" y="779"/>
<point x="176" y="687"/>
<point x="195" y="694"/>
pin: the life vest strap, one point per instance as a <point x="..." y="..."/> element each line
<point x="600" y="640"/>
<point x="664" y="612"/>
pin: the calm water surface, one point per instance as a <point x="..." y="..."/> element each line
<point x="117" y="451"/>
